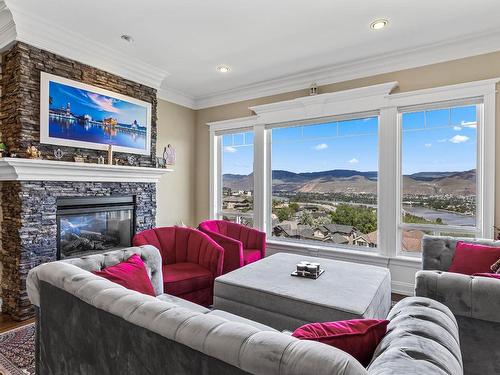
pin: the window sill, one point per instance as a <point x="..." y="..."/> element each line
<point x="344" y="253"/>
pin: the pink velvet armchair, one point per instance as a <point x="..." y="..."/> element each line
<point x="242" y="245"/>
<point x="191" y="261"/>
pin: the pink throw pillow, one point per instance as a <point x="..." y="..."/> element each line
<point x="490" y="275"/>
<point x="473" y="258"/>
<point x="131" y="274"/>
<point x="358" y="337"/>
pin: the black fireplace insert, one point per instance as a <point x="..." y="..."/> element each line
<point x="94" y="224"/>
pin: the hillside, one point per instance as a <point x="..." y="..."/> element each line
<point x="351" y="181"/>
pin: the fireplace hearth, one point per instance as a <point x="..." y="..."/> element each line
<point x="93" y="224"/>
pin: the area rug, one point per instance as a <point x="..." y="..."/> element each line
<point x="17" y="351"/>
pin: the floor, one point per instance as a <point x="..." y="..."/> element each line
<point x="6" y="323"/>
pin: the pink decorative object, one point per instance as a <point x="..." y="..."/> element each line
<point x="471" y="258"/>
<point x="191" y="261"/>
<point x="358" y="337"/>
<point x="131" y="274"/>
<point x="242" y="245"/>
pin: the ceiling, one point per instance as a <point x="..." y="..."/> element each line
<point x="271" y="45"/>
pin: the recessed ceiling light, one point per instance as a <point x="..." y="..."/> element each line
<point x="223" y="69"/>
<point x="379" y="24"/>
<point x="127" y="38"/>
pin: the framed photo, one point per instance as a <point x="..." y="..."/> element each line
<point x="80" y="115"/>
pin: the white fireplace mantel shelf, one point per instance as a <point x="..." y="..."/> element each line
<point x="18" y="169"/>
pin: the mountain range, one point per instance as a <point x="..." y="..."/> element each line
<point x="352" y="181"/>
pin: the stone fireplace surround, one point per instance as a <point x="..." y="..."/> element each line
<point x="29" y="188"/>
<point x="29" y="227"/>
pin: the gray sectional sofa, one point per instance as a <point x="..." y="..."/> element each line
<point x="89" y="325"/>
<point x="475" y="302"/>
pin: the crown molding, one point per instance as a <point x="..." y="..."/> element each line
<point x="176" y="97"/>
<point x="35" y="31"/>
<point x="451" y="49"/>
<point x="7" y="27"/>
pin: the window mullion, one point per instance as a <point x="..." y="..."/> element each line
<point x="388" y="174"/>
<point x="259" y="175"/>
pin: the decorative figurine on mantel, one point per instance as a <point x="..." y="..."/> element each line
<point x="131" y="160"/>
<point x="169" y="155"/>
<point x="79" y="158"/>
<point x="58" y="154"/>
<point x="33" y="152"/>
<point x="100" y="159"/>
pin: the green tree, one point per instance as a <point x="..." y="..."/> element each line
<point x="294" y="206"/>
<point x="283" y="213"/>
<point x="306" y="219"/>
<point x="362" y="217"/>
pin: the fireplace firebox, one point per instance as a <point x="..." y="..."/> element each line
<point x="91" y="225"/>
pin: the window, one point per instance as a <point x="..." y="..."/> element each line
<point x="324" y="182"/>
<point x="236" y="203"/>
<point x="364" y="170"/>
<point x="439" y="148"/>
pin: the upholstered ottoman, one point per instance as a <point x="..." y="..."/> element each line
<point x="265" y="292"/>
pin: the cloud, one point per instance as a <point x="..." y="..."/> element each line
<point x="354" y="161"/>
<point x="103" y="103"/>
<point x="457" y="128"/>
<point x="459" y="139"/>
<point x="321" y="146"/>
<point x="442" y="140"/>
<point x="428" y="145"/>
<point x="230" y="149"/>
<point x="469" y="124"/>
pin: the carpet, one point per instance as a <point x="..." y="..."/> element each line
<point x="17" y="351"/>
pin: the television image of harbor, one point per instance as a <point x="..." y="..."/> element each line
<point x="81" y="115"/>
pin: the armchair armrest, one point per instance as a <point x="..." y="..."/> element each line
<point x="254" y="239"/>
<point x="233" y="251"/>
<point x="468" y="296"/>
<point x="211" y="256"/>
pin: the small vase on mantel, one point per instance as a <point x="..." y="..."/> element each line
<point x="110" y="154"/>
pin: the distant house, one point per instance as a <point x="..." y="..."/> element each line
<point x="367" y="240"/>
<point x="411" y="240"/>
<point x="338" y="239"/>
<point x="347" y="230"/>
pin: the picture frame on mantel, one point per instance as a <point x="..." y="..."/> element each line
<point x="80" y="115"/>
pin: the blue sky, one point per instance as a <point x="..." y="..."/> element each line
<point x="98" y="106"/>
<point x="438" y="140"/>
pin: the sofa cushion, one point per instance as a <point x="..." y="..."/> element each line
<point x="473" y="258"/>
<point x="181" y="278"/>
<point x="181" y="302"/>
<point x="131" y="274"/>
<point x="239" y="319"/>
<point x="358" y="337"/>
<point x="251" y="255"/>
<point x="490" y="275"/>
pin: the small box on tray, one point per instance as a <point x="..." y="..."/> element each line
<point x="310" y="270"/>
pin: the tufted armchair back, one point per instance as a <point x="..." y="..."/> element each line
<point x="249" y="237"/>
<point x="183" y="245"/>
<point x="438" y="251"/>
<point x="149" y="255"/>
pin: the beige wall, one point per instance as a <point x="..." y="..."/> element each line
<point x="452" y="72"/>
<point x="175" y="191"/>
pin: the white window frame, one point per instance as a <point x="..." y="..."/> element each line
<point x="348" y="103"/>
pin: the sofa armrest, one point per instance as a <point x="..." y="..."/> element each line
<point x="468" y="296"/>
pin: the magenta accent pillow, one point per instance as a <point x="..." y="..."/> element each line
<point x="130" y="273"/>
<point x="472" y="258"/>
<point x="358" y="337"/>
<point x="490" y="275"/>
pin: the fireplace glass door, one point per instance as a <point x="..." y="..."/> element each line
<point x="87" y="226"/>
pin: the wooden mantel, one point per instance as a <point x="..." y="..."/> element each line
<point x="18" y="169"/>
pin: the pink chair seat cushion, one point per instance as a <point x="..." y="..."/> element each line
<point x="181" y="278"/>
<point x="131" y="274"/>
<point x="471" y="258"/>
<point x="251" y="255"/>
<point x="358" y="337"/>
